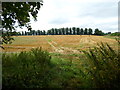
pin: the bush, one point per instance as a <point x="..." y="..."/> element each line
<point x="104" y="66"/>
<point x="115" y="34"/>
<point x="26" y="69"/>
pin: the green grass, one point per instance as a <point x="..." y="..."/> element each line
<point x="37" y="69"/>
<point x="112" y="37"/>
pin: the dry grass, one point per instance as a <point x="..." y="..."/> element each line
<point x="57" y="43"/>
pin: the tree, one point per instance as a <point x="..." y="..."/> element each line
<point x="90" y="31"/>
<point x="25" y="33"/>
<point x="44" y="33"/>
<point x="70" y="31"/>
<point x="73" y="28"/>
<point x="56" y="31"/>
<point x="85" y="31"/>
<point x="98" y="32"/>
<point x="78" y="31"/>
<point x="53" y="31"/>
<point x="81" y="31"/>
<point x="63" y="31"/>
<point x="22" y="33"/>
<point x="67" y="32"/>
<point x="17" y="12"/>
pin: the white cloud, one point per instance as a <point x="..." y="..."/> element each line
<point x="102" y="14"/>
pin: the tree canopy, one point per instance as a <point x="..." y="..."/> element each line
<point x="17" y="13"/>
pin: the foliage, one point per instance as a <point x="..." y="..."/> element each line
<point x="17" y="12"/>
<point x="26" y="69"/>
<point x="104" y="66"/>
<point x="60" y="31"/>
<point x="36" y="69"/>
<point x="115" y="34"/>
<point x="98" y="32"/>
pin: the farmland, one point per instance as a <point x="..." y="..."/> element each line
<point x="64" y="65"/>
<point x="65" y="44"/>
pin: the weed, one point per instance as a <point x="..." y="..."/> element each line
<point x="104" y="66"/>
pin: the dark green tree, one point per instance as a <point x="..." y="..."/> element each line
<point x="44" y="32"/>
<point x="78" y="31"/>
<point x="90" y="31"/>
<point x="74" y="32"/>
<point x="53" y="31"/>
<point x="67" y="30"/>
<point x="98" y="32"/>
<point x="63" y="31"/>
<point x="86" y="31"/>
<point x="81" y="31"/>
<point x="17" y="12"/>
<point x="70" y="31"/>
<point x="23" y="33"/>
<point x="38" y="32"/>
<point x="56" y="31"/>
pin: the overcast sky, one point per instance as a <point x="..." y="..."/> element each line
<point x="102" y="14"/>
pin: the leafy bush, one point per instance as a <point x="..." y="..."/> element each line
<point x="115" y="34"/>
<point x="26" y="69"/>
<point x="104" y="66"/>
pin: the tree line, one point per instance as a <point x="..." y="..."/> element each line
<point x="62" y="31"/>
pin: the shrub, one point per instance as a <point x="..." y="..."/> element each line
<point x="104" y="66"/>
<point x="26" y="69"/>
<point x="115" y="34"/>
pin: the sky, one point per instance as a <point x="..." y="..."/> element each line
<point x="101" y="14"/>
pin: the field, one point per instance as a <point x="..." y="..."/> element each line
<point x="64" y="44"/>
<point x="65" y="65"/>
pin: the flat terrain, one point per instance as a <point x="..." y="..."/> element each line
<point x="65" y="44"/>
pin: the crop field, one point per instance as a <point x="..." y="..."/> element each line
<point x="65" y="44"/>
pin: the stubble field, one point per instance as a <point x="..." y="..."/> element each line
<point x="64" y="44"/>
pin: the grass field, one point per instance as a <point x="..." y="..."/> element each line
<point x="65" y="44"/>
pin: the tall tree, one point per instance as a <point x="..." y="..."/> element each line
<point x="90" y="31"/>
<point x="74" y="32"/>
<point x="86" y="31"/>
<point x="56" y="31"/>
<point x="38" y="32"/>
<point x="44" y="33"/>
<point x="63" y="31"/>
<point x="81" y="31"/>
<point x="25" y="33"/>
<point x="98" y="32"/>
<point x="70" y="31"/>
<point x="78" y="31"/>
<point x="53" y="31"/>
<point x="67" y="32"/>
<point x="17" y="12"/>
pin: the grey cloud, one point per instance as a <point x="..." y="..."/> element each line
<point x="100" y="10"/>
<point x="59" y="20"/>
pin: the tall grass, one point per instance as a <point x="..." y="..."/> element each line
<point x="104" y="66"/>
<point x="26" y="69"/>
<point x="37" y="69"/>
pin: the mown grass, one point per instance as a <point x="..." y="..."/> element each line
<point x="97" y="68"/>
